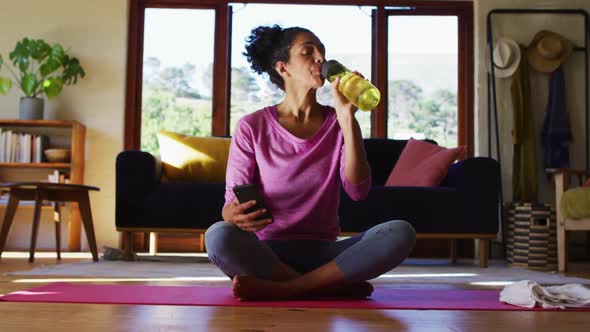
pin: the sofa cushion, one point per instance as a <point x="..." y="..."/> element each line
<point x="422" y="164"/>
<point x="575" y="203"/>
<point x="382" y="154"/>
<point x="188" y="158"/>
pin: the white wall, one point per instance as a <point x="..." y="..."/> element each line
<point x="522" y="28"/>
<point x="96" y="33"/>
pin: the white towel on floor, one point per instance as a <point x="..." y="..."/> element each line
<point x="527" y="293"/>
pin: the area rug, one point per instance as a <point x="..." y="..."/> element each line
<point x="412" y="271"/>
<point x="382" y="298"/>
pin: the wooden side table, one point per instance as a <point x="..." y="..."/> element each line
<point x="55" y="192"/>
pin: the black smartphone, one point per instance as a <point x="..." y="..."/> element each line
<point x="249" y="192"/>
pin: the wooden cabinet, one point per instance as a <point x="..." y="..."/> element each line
<point x="61" y="134"/>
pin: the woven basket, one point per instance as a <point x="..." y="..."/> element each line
<point x="531" y="236"/>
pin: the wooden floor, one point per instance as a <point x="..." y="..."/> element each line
<point x="86" y="317"/>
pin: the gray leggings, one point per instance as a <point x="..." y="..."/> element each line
<point x="361" y="257"/>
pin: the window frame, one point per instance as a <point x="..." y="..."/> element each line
<point x="222" y="59"/>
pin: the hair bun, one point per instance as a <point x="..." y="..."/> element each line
<point x="260" y="45"/>
<point x="266" y="46"/>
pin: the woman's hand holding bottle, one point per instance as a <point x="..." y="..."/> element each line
<point x="354" y="87"/>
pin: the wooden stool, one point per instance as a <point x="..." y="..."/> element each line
<point x="57" y="193"/>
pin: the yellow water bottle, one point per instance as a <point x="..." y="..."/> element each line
<point x="360" y="92"/>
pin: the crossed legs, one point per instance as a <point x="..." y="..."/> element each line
<point x="259" y="274"/>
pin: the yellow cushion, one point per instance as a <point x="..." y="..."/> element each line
<point x="575" y="203"/>
<point x="188" y="158"/>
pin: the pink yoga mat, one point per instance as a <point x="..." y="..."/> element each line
<point x="382" y="298"/>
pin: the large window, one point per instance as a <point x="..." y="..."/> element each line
<point x="177" y="73"/>
<point x="186" y="71"/>
<point x="422" y="78"/>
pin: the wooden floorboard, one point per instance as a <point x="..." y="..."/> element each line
<point x="88" y="317"/>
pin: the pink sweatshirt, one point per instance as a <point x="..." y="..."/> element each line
<point x="299" y="179"/>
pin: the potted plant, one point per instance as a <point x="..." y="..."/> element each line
<point x="39" y="69"/>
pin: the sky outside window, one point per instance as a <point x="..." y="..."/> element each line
<point x="422" y="78"/>
<point x="177" y="73"/>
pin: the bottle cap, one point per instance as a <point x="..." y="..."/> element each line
<point x="332" y="67"/>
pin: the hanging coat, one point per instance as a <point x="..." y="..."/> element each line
<point x="556" y="134"/>
<point x="524" y="169"/>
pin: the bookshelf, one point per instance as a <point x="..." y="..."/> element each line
<point x="61" y="134"/>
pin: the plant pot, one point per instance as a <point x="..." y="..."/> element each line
<point x="30" y="108"/>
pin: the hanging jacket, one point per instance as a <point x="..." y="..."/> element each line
<point x="524" y="165"/>
<point x="556" y="134"/>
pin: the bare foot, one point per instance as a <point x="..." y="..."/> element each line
<point x="246" y="288"/>
<point x="351" y="290"/>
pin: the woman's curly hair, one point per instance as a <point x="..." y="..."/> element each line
<point x="266" y="46"/>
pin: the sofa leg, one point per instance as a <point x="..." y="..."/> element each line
<point x="128" y="246"/>
<point x="202" y="242"/>
<point x="561" y="246"/>
<point x="153" y="243"/>
<point x="454" y="245"/>
<point x="145" y="238"/>
<point x="122" y="241"/>
<point x="483" y="252"/>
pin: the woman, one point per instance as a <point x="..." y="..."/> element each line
<point x="299" y="153"/>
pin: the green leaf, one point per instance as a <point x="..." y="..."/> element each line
<point x="72" y="69"/>
<point x="57" y="52"/>
<point x="20" y="54"/>
<point x="5" y="85"/>
<point x="49" y="67"/>
<point x="28" y="84"/>
<point x="52" y="86"/>
<point x="39" y="49"/>
<point x="1" y="61"/>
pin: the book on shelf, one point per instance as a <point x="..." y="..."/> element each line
<point x="16" y="147"/>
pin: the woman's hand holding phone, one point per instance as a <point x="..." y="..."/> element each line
<point x="250" y="222"/>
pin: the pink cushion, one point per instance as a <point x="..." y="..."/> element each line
<point x="423" y="164"/>
<point x="587" y="183"/>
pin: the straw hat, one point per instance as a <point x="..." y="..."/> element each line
<point x="506" y="57"/>
<point x="548" y="50"/>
